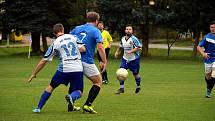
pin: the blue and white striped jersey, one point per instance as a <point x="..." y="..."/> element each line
<point x="208" y="42"/>
<point x="129" y="44"/>
<point x="67" y="50"/>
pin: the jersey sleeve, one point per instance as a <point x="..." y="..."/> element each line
<point x="72" y="32"/>
<point x="78" y="41"/>
<point x="98" y="36"/>
<point x="50" y="53"/>
<point x="202" y="42"/>
<point x="109" y="38"/>
<point x="136" y="42"/>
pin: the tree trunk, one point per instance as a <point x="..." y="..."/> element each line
<point x="145" y="41"/>
<point x="196" y="35"/>
<point x="45" y="46"/>
<point x="35" y="43"/>
<point x="168" y="42"/>
<point x="4" y="34"/>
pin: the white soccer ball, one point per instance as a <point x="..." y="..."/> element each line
<point x="121" y="74"/>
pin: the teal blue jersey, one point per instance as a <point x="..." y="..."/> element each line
<point x="90" y="36"/>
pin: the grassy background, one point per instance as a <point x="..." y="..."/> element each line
<point x="173" y="89"/>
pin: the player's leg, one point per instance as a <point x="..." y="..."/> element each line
<point x="94" y="91"/>
<point x="45" y="96"/>
<point x="104" y="74"/>
<point x="55" y="82"/>
<point x="71" y="98"/>
<point x="134" y="66"/>
<point x="212" y="80"/>
<point x="43" y="99"/>
<point x="76" y="88"/>
<point x="208" y="79"/>
<point x="121" y="82"/>
<point x="91" y="71"/>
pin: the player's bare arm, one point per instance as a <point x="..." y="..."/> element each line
<point x="118" y="52"/>
<point x="134" y="50"/>
<point x="109" y="45"/>
<point x="102" y="54"/>
<point x="39" y="67"/>
<point x="204" y="55"/>
<point x="82" y="48"/>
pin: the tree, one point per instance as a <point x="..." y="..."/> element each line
<point x="136" y="12"/>
<point x="3" y="28"/>
<point x="38" y="17"/>
<point x="194" y="15"/>
<point x="116" y="16"/>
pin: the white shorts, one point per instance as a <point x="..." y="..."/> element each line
<point x="209" y="67"/>
<point x="90" y="69"/>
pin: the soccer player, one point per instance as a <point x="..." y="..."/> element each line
<point x="131" y="57"/>
<point x="208" y="43"/>
<point x="90" y="35"/>
<point x="70" y="69"/>
<point x="106" y="42"/>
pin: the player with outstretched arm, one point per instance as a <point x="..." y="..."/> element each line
<point x="70" y="69"/>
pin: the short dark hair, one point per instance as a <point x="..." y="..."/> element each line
<point x="92" y="16"/>
<point x="129" y="25"/>
<point x="58" y="28"/>
<point x="101" y="22"/>
<point x="212" y="22"/>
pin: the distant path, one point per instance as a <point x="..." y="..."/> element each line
<point x="163" y="46"/>
<point x="25" y="42"/>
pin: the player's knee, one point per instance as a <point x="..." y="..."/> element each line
<point x="136" y="76"/>
<point x="213" y="74"/>
<point x="50" y="89"/>
<point x="96" y="80"/>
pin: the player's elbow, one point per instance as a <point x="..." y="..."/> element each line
<point x="82" y="49"/>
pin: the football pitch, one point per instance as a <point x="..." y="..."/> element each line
<point x="173" y="89"/>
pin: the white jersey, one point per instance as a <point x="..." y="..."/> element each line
<point x="67" y="50"/>
<point x="129" y="44"/>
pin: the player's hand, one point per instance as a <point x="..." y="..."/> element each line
<point x="102" y="66"/>
<point x="108" y="46"/>
<point x="129" y="53"/>
<point x="116" y="54"/>
<point x="31" y="78"/>
<point x="206" y="55"/>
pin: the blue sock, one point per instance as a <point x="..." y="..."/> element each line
<point x="138" y="82"/>
<point x="75" y="95"/>
<point x="121" y="84"/>
<point x="44" y="97"/>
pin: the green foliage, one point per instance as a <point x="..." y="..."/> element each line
<point x="38" y="16"/>
<point x="192" y="14"/>
<point x="116" y="13"/>
<point x="180" y="15"/>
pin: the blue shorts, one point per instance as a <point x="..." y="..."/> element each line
<point x="133" y="65"/>
<point x="74" y="78"/>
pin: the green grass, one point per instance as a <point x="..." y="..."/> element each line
<point x="178" y="43"/>
<point x="4" y="42"/>
<point x="173" y="89"/>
